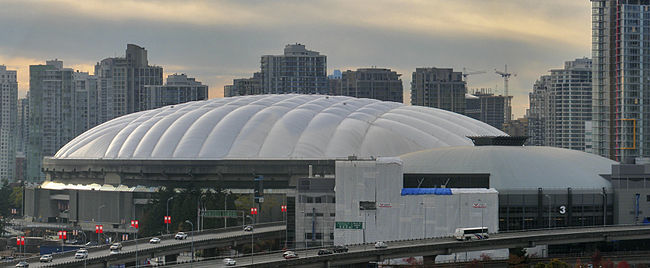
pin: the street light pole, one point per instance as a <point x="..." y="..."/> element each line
<point x="225" y="208"/>
<point x="549" y="210"/>
<point x="168" y="199"/>
<point x="99" y="219"/>
<point x="192" y="263"/>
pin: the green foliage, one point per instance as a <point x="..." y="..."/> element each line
<point x="182" y="207"/>
<point x="555" y="263"/>
<point x="16" y="197"/>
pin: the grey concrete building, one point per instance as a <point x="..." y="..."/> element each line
<point x="244" y="86"/>
<point x="620" y="88"/>
<point x="631" y="185"/>
<point x="489" y="108"/>
<point x="373" y="83"/>
<point x="298" y="70"/>
<point x="560" y="104"/>
<point x="23" y="124"/>
<point x="8" y="123"/>
<point x="439" y="88"/>
<point x="122" y="80"/>
<point x="178" y="89"/>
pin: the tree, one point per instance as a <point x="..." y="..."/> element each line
<point x="555" y="263"/>
<point x="16" y="197"/>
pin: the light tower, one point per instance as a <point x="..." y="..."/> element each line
<point x="506" y="75"/>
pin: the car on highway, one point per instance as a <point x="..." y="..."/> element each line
<point x="340" y="249"/>
<point x="380" y="244"/>
<point x="154" y="240"/>
<point x="46" y="258"/>
<point x="116" y="246"/>
<point x="113" y="252"/>
<point x="229" y="262"/>
<point x="180" y="236"/>
<point x="91" y="244"/>
<point x="287" y="253"/>
<point x="81" y="254"/>
<point x="290" y="255"/>
<point x="248" y="228"/>
<point x="324" y="251"/>
<point x="22" y="264"/>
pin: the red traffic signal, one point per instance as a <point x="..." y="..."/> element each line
<point x="20" y="241"/>
<point x="135" y="224"/>
<point x="99" y="229"/>
<point x="168" y="219"/>
<point x="253" y="211"/>
<point x="283" y="208"/>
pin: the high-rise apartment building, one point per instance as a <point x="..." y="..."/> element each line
<point x="178" y="89"/>
<point x="621" y="90"/>
<point x="8" y="123"/>
<point x="489" y="108"/>
<point x="373" y="83"/>
<point x="560" y="104"/>
<point x="51" y="113"/>
<point x="122" y="80"/>
<point x="22" y="133"/>
<point x="538" y="111"/>
<point x="439" y="88"/>
<point x="86" y="103"/>
<point x="297" y="71"/>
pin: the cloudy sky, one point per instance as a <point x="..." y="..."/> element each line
<point x="216" y="41"/>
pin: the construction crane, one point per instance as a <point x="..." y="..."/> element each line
<point x="506" y="75"/>
<point x="466" y="74"/>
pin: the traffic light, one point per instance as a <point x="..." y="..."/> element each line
<point x="283" y="208"/>
<point x="258" y="189"/>
<point x="135" y="224"/>
<point x="168" y="219"/>
<point x="253" y="211"/>
<point x="99" y="229"/>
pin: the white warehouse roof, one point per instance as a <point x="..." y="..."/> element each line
<point x="275" y="127"/>
<point x="516" y="167"/>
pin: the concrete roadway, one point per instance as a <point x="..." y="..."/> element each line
<point x="410" y="247"/>
<point x="143" y="245"/>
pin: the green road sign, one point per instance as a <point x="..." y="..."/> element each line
<point x="219" y="213"/>
<point x="349" y="225"/>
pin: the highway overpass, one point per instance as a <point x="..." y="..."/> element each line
<point x="216" y="238"/>
<point x="440" y="246"/>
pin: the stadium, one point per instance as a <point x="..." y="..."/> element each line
<point x="227" y="142"/>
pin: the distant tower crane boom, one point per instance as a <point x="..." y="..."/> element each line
<point x="466" y="74"/>
<point x="506" y="76"/>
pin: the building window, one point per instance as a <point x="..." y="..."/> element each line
<point x="318" y="199"/>
<point x="332" y="214"/>
<point x="308" y="235"/>
<point x="647" y="198"/>
<point x="331" y="236"/>
<point x="310" y="199"/>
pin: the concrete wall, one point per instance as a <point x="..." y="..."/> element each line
<point x="625" y="205"/>
<point x="400" y="217"/>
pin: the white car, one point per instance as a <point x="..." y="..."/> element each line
<point x="180" y="236"/>
<point x="248" y="228"/>
<point x="154" y="240"/>
<point x="229" y="262"/>
<point x="116" y="246"/>
<point x="81" y="254"/>
<point x="113" y="252"/>
<point x="46" y="258"/>
<point x="380" y="244"/>
<point x="288" y="252"/>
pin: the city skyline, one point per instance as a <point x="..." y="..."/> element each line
<point x="219" y="41"/>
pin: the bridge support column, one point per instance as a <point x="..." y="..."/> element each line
<point x="209" y="252"/>
<point x="429" y="260"/>
<point x="171" y="258"/>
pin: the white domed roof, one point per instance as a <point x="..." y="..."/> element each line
<point x="275" y="126"/>
<point x="516" y="167"/>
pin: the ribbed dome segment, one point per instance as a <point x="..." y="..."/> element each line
<point x="275" y="127"/>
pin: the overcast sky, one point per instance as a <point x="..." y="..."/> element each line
<point x="216" y="41"/>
